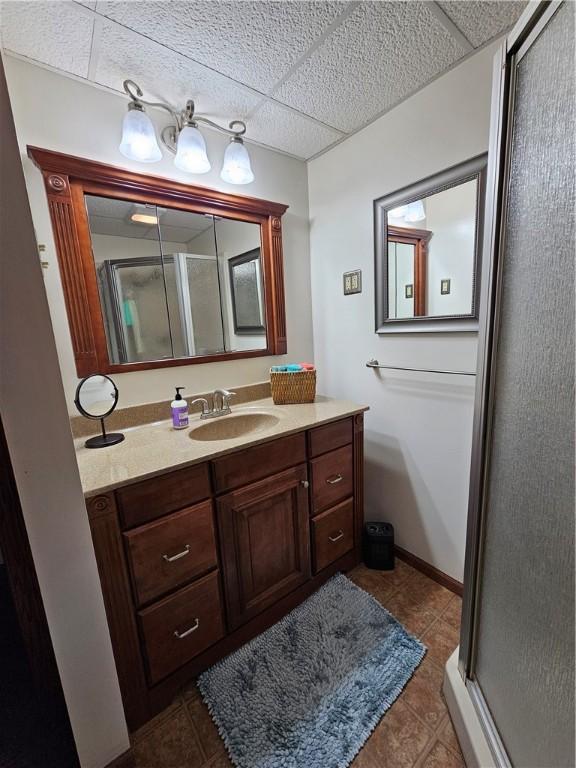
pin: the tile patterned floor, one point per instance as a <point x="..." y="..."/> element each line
<point x="416" y="732"/>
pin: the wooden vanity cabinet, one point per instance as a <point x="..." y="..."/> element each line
<point x="197" y="561"/>
<point x="265" y="542"/>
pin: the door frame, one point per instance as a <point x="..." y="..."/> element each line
<point x="521" y="38"/>
<point x="25" y="588"/>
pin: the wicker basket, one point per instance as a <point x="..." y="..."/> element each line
<point x="292" y="387"/>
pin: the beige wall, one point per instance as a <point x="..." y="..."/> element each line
<point x="419" y="427"/>
<point x="34" y="416"/>
<point x="82" y="120"/>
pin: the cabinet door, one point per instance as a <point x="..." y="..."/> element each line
<point x="265" y="540"/>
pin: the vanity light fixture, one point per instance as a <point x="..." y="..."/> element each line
<point x="411" y="213"/>
<point x="144" y="218"/>
<point x="183" y="138"/>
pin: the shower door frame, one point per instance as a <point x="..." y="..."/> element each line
<point x="519" y="41"/>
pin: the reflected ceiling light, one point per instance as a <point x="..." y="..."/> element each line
<point x="398" y="213"/>
<point x="144" y="218"/>
<point x="415" y="212"/>
<point x="183" y="138"/>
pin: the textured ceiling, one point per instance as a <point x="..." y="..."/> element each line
<point x="302" y="74"/>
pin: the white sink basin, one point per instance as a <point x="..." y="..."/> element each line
<point x="234" y="425"/>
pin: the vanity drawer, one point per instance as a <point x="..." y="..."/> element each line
<point x="158" y="496"/>
<point x="329" y="437"/>
<point x="256" y="463"/>
<point x="171" y="551"/>
<point x="181" y="626"/>
<point x="333" y="534"/>
<point x="332" y="478"/>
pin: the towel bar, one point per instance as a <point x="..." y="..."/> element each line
<point x="375" y="364"/>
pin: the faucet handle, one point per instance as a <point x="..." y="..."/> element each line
<point x="205" y="406"/>
<point x="226" y="397"/>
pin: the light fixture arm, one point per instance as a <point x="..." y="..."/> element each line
<point x="138" y="101"/>
<point x="187" y="116"/>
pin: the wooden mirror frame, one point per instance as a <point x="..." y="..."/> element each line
<point x="474" y="169"/>
<point x="67" y="179"/>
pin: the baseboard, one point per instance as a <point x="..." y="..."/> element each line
<point x="430" y="571"/>
<point x="125" y="760"/>
<point x="467" y="725"/>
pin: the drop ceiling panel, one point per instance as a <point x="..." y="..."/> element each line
<point x="165" y="75"/>
<point x="481" y="21"/>
<point x="103" y="225"/>
<point x="284" y="129"/>
<point x="55" y="33"/>
<point x="380" y="54"/>
<point x="253" y="42"/>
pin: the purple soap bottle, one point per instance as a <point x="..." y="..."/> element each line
<point x="179" y="408"/>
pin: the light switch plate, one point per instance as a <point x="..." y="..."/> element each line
<point x="352" y="282"/>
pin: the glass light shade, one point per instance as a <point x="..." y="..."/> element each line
<point x="415" y="212"/>
<point x="398" y="213"/>
<point x="236" y="168"/>
<point x="139" y="138"/>
<point x="191" y="151"/>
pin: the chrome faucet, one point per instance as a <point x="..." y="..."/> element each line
<point x="220" y="404"/>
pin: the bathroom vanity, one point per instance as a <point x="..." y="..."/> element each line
<point x="203" y="543"/>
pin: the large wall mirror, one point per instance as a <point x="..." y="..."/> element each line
<point x="158" y="273"/>
<point x="427" y="252"/>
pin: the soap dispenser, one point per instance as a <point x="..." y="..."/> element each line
<point x="179" y="408"/>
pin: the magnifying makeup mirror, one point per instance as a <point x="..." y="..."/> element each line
<point x="96" y="398"/>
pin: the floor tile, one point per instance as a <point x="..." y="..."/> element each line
<point x="399" y="738"/>
<point x="423" y="694"/>
<point x="427" y="593"/>
<point x="441" y="640"/>
<point x="190" y="691"/>
<point x="373" y="581"/>
<point x="156" y="721"/>
<point x="414" y="616"/>
<point x="439" y="756"/>
<point x="453" y="612"/>
<point x="204" y="727"/>
<point x="221" y="760"/>
<point x="447" y="735"/>
<point x="171" y="744"/>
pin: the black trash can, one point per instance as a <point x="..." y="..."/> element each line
<point x="378" y="546"/>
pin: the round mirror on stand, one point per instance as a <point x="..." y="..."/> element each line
<point x="96" y="398"/>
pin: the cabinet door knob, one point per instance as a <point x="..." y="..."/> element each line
<point x="335" y="479"/>
<point x="304" y="483"/>
<point x="193" y="628"/>
<point x="339" y="535"/>
<point x="185" y="551"/>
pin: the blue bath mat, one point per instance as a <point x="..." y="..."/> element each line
<point x="308" y="692"/>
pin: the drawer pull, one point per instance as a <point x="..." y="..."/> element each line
<point x="185" y="551"/>
<point x="339" y="535"/>
<point x="335" y="479"/>
<point x="193" y="628"/>
<point x="304" y="483"/>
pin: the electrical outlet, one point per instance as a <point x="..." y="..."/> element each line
<point x="352" y="282"/>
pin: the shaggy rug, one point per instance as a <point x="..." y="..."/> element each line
<point x="308" y="692"/>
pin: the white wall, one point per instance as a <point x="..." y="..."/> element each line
<point x="451" y="216"/>
<point x="418" y="431"/>
<point x="44" y="463"/>
<point x="82" y="120"/>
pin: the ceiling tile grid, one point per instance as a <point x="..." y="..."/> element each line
<point x="378" y="55"/>
<point x="255" y="43"/>
<point x="56" y="33"/>
<point x="482" y="20"/>
<point x="303" y="74"/>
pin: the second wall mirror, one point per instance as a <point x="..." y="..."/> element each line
<point x="158" y="273"/>
<point x="428" y="240"/>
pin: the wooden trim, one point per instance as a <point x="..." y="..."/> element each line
<point x="358" y="454"/>
<point x="429" y="570"/>
<point x="25" y="588"/>
<point x="419" y="238"/>
<point x="108" y="546"/>
<point x="125" y="760"/>
<point x="67" y="179"/>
